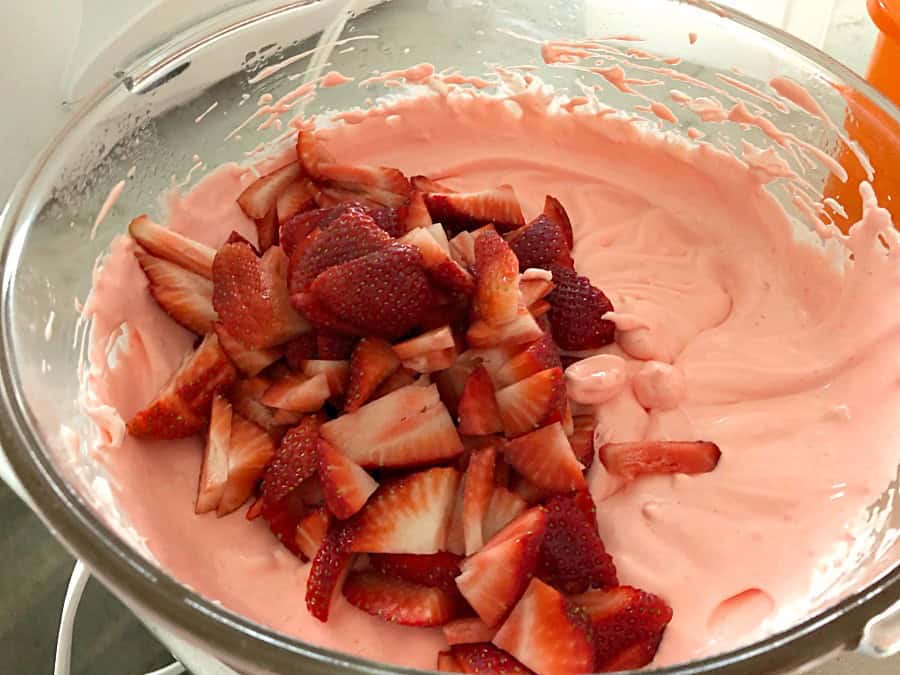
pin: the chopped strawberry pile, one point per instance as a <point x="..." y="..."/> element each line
<point x="380" y="377"/>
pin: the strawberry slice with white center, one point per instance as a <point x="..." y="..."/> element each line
<point x="539" y="355"/>
<point x="176" y="248"/>
<point x="425" y="184"/>
<point x="546" y="459"/>
<point x="297" y="197"/>
<point x="267" y="231"/>
<point x="214" y="470"/>
<point x="408" y="515"/>
<point x="497" y="280"/>
<point x="434" y="340"/>
<point x="505" y="506"/>
<point x="630" y="460"/>
<point x="529" y="403"/>
<point x="372" y="362"/>
<point x="447" y="663"/>
<point x="456" y="533"/>
<point x="547" y="633"/>
<point x="381" y="184"/>
<point x="522" y="329"/>
<point x="494" y="579"/>
<point x="416" y="212"/>
<point x="336" y="372"/>
<point x="468" y="631"/>
<point x="245" y="397"/>
<point x="298" y="393"/>
<point x="183" y="406"/>
<point x="399" y="601"/>
<point x="249" y="451"/>
<point x="462" y="250"/>
<point x="261" y="196"/>
<point x="479" y="485"/>
<point x="408" y="427"/>
<point x="183" y="295"/>
<point x="310" y="153"/>
<point x="249" y="361"/>
<point x="443" y="270"/>
<point x="345" y="483"/>
<point x="483" y="658"/>
<point x="329" y="569"/>
<point x="458" y="211"/>
<point x="432" y="362"/>
<point x="311" y="532"/>
<point x="479" y="413"/>
<point x="251" y="298"/>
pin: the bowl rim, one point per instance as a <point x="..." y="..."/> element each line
<point x="226" y="633"/>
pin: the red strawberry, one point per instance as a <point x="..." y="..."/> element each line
<point x="438" y="569"/>
<point x="302" y="229"/>
<point x="456" y="534"/>
<point x="458" y="211"/>
<point x="519" y="331"/>
<point x="478" y="411"/>
<point x="467" y="631"/>
<point x="407" y="427"/>
<point x="389" y="219"/>
<point x="183" y="295"/>
<point x="249" y="451"/>
<point x="627" y="625"/>
<point x="295" y="461"/>
<point x="416" y="212"/>
<point x="443" y="270"/>
<point x="582" y="440"/>
<point x="504" y="507"/>
<point x="557" y="214"/>
<point x="328" y="570"/>
<point x="401" y="602"/>
<point x="576" y="312"/>
<point x="384" y="185"/>
<point x="310" y="153"/>
<point x="493" y="579"/>
<point x="266" y="231"/>
<point x="298" y="393"/>
<point x="250" y="296"/>
<point x="541" y="244"/>
<point x="546" y="459"/>
<point x="484" y="658"/>
<point x="284" y="519"/>
<point x="434" y="340"/>
<point x="331" y="196"/>
<point x="245" y="398"/>
<point x="408" y="515"/>
<point x="183" y="406"/>
<point x="539" y="355"/>
<point x="176" y="248"/>
<point x="402" y="377"/>
<point x="297" y="197"/>
<point x="249" y="361"/>
<point x="477" y="491"/>
<point x="548" y="633"/>
<point x="372" y="362"/>
<point x="529" y="403"/>
<point x="334" y="346"/>
<point x="432" y="362"/>
<point x="527" y="490"/>
<point x="346" y="485"/>
<point x="260" y="197"/>
<point x="539" y="309"/>
<point x="214" y="470"/>
<point x="311" y="532"/>
<point x="298" y="350"/>
<point x="572" y="557"/>
<point x="462" y="250"/>
<point x="425" y="184"/>
<point x="336" y="372"/>
<point x="351" y="235"/>
<point x="630" y="460"/>
<point x="384" y="294"/>
<point x="497" y="280"/>
<point x="533" y="290"/>
<point x="451" y="382"/>
<point x="447" y="663"/>
<point x="492" y="358"/>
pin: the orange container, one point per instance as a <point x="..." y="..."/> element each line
<point x="884" y="68"/>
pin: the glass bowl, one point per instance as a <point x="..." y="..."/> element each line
<point x="176" y="107"/>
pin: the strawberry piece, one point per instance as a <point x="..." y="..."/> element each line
<point x="249" y="361"/>
<point x="504" y="507"/>
<point x="492" y="358"/>
<point x="384" y="185"/>
<point x="183" y="406"/>
<point x="456" y="534"/>
<point x="299" y="350"/>
<point x="416" y="212"/>
<point x="403" y="377"/>
<point x="372" y="362"/>
<point x="407" y="427"/>
<point x="539" y="309"/>
<point x="572" y="558"/>
<point x="433" y="340"/>
<point x="298" y="393"/>
<point x="557" y="214"/>
<point x="351" y="235"/>
<point x="497" y="280"/>
<point x="479" y="413"/>
<point x="284" y="519"/>
<point x="494" y="579"/>
<point x="173" y="247"/>
<point x="576" y="312"/>
<point x="438" y="569"/>
<point x="458" y="211"/>
<point x="346" y="485"/>
<point x="522" y="329"/>
<point x="401" y="602"/>
<point x="443" y="270"/>
<point x="328" y="570"/>
<point x="260" y="197"/>
<point x="447" y="663"/>
<point x="533" y="290"/>
<point x="385" y="293"/>
<point x="266" y="231"/>
<point x="484" y="658"/>
<point x="295" y="461"/>
<point x="630" y="460"/>
<point x="183" y="295"/>
<point x="627" y="623"/>
<point x="546" y="459"/>
<point x="311" y="532"/>
<point x="451" y="382"/>
<point x="425" y="184"/>
<point x="250" y="296"/>
<point x="462" y="250"/>
<point x="245" y="398"/>
<point x="214" y="470"/>
<point x="334" y="346"/>
<point x="582" y="440"/>
<point x="467" y="631"/>
<point x="249" y="451"/>
<point x="540" y="244"/>
<point x="529" y="403"/>
<point x="432" y="362"/>
<point x="310" y="153"/>
<point x="336" y="372"/>
<point x="539" y="355"/>
<point x="297" y="197"/>
<point x="527" y="490"/>
<point x="331" y="196"/>
<point x="477" y="491"/>
<point x="389" y="219"/>
<point x="302" y="229"/>
<point x="408" y="515"/>
<point x="548" y="633"/>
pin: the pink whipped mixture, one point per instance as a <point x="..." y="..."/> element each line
<point x="730" y="330"/>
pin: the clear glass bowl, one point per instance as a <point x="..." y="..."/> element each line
<point x="146" y="117"/>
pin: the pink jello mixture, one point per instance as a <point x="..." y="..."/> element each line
<point x="730" y="329"/>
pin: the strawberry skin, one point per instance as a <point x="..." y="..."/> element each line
<point x="541" y="244"/>
<point x="576" y="312"/>
<point x="176" y="248"/>
<point x="328" y="570"/>
<point x="183" y="295"/>
<point x="496" y="279"/>
<point x="214" y="470"/>
<point x="529" y="403"/>
<point x="437" y="569"/>
<point x="557" y="214"/>
<point x="539" y="355"/>
<point x="477" y="491"/>
<point x="479" y="413"/>
<point x="447" y="663"/>
<point x="546" y="459"/>
<point x="346" y="485"/>
<point x="399" y="601"/>
<point x="630" y="460"/>
<point x="372" y="362"/>
<point x="484" y="658"/>
<point x="295" y="461"/>
<point x="249" y="451"/>
<point x="311" y="532"/>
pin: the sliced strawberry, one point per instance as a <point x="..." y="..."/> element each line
<point x="401" y="602"/>
<point x="467" y="631"/>
<point x="425" y="184"/>
<point x="533" y="290"/>
<point x="576" y="312"/>
<point x="548" y="633"/>
<point x="336" y="372"/>
<point x="505" y="506"/>
<point x="522" y="329"/>
<point x="478" y="411"/>
<point x="183" y="406"/>
<point x="438" y="569"/>
<point x="479" y="486"/>
<point x="302" y="229"/>
<point x="502" y="472"/>
<point x="627" y="623"/>
<point x="630" y="460"/>
<point x="176" y="248"/>
<point x="310" y="153"/>
<point x="250" y="296"/>
<point x="447" y="663"/>
<point x="311" y="532"/>
<point x="539" y="355"/>
<point x="298" y="393"/>
<point x="540" y="244"/>
<point x="484" y="658"/>
<point x="214" y="470"/>
<point x="267" y="231"/>
<point x="458" y="211"/>
<point x="546" y="459"/>
<point x="416" y="212"/>
<point x="527" y="490"/>
<point x="557" y="214"/>
<point x="372" y="362"/>
<point x="462" y="250"/>
<point x="582" y="440"/>
<point x="384" y="294"/>
<point x="298" y="350"/>
<point x="245" y="398"/>
<point x="346" y="484"/>
<point x="329" y="569"/>
<point x="494" y="579"/>
<point x="285" y="517"/>
<point x="384" y="185"/>
<point x="529" y="403"/>
<point x="260" y="197"/>
<point x="497" y="280"/>
<point x="331" y="196"/>
<point x="402" y="377"/>
<point x="443" y="270"/>
<point x="351" y="235"/>
<point x="407" y="427"/>
<point x="456" y="534"/>
<point x="295" y="461"/>
<point x="297" y="197"/>
<point x="492" y="358"/>
<point x="249" y="451"/>
<point x="334" y="346"/>
<point x="183" y="295"/>
<point x="432" y="362"/>
<point x="451" y="382"/>
<point x="539" y="309"/>
<point x="390" y="219"/>
<point x="249" y="361"/>
<point x="433" y="340"/>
